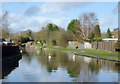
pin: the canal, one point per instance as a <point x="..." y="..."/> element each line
<point x="59" y="66"/>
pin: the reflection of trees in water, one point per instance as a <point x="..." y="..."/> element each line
<point x="80" y="69"/>
<point x="60" y="59"/>
<point x="94" y="67"/>
<point x="27" y="57"/>
<point x="87" y="72"/>
<point x="51" y="64"/>
<point x="105" y="64"/>
<point x="90" y="70"/>
<point x="73" y="69"/>
<point x="28" y="54"/>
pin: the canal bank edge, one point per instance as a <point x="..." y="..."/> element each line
<point x="98" y="57"/>
<point x="79" y="53"/>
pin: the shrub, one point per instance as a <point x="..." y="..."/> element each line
<point x="23" y="39"/>
<point x="117" y="45"/>
<point x="62" y="39"/>
<point x="99" y="39"/>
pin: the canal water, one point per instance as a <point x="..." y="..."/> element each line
<point x="59" y="66"/>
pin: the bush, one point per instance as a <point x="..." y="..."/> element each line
<point x="99" y="39"/>
<point x="23" y="39"/>
<point x="117" y="45"/>
<point x="62" y="41"/>
<point x="92" y="40"/>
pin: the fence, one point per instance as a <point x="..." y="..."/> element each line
<point x="103" y="46"/>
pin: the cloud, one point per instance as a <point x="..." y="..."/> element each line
<point x="58" y="8"/>
<point x="32" y="11"/>
<point x="22" y="23"/>
<point x="107" y="20"/>
<point x="37" y="16"/>
<point x="61" y="7"/>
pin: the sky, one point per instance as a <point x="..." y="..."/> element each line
<point x="35" y="15"/>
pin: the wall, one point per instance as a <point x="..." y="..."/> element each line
<point x="87" y="45"/>
<point x="80" y="45"/>
<point x="74" y="44"/>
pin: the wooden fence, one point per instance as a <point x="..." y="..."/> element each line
<point x="109" y="46"/>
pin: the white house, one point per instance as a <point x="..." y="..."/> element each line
<point x="110" y="39"/>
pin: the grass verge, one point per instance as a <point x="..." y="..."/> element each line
<point x="88" y="52"/>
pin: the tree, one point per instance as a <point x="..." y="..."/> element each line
<point x="88" y="21"/>
<point x="23" y="39"/>
<point x="29" y="34"/>
<point x="62" y="40"/>
<point x="56" y="28"/>
<point x="4" y="30"/>
<point x="97" y="31"/>
<point x="75" y="28"/>
<point x="4" y="20"/>
<point x="5" y="33"/>
<point x="71" y="26"/>
<point x="109" y="33"/>
<point x="99" y="39"/>
<point x="50" y="27"/>
<point x="91" y="37"/>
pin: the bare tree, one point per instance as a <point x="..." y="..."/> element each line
<point x="4" y="25"/>
<point x="88" y="21"/>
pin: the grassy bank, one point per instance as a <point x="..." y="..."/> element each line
<point x="88" y="52"/>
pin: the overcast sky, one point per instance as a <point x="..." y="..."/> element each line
<point x="34" y="15"/>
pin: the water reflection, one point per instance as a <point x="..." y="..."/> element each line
<point x="80" y="68"/>
<point x="8" y="65"/>
<point x="58" y="66"/>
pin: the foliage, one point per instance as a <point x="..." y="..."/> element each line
<point x="104" y="35"/>
<point x="57" y="37"/>
<point x="91" y="37"/>
<point x="36" y="36"/>
<point x="56" y="28"/>
<point x="75" y="28"/>
<point x="117" y="45"/>
<point x="23" y="39"/>
<point x="99" y="39"/>
<point x="5" y="33"/>
<point x="71" y="26"/>
<point x="50" y="27"/>
<point x="97" y="31"/>
<point x="70" y="36"/>
<point x="118" y="34"/>
<point x="29" y="34"/>
<point x="62" y="40"/>
<point x="109" y="33"/>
